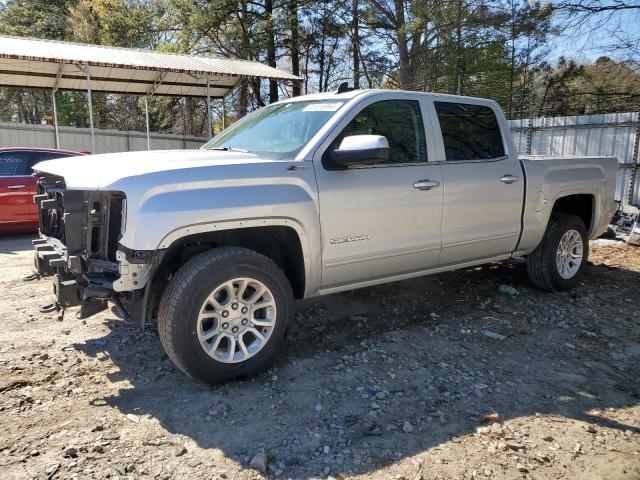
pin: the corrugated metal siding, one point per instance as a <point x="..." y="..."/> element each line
<point x="614" y="134"/>
<point x="623" y="183"/>
<point x="107" y="141"/>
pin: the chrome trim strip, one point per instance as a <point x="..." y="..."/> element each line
<point x="483" y="239"/>
<point x="483" y="160"/>
<point x="405" y="276"/>
<point x="380" y="256"/>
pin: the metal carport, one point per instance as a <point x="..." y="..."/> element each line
<point x="56" y="65"/>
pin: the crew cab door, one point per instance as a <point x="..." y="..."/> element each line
<point x="484" y="183"/>
<point x="380" y="220"/>
<point x="15" y="190"/>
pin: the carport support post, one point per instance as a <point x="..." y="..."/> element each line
<point x="209" y="109"/>
<point x="93" y="138"/>
<point x="55" y="118"/>
<point x="146" y="117"/>
<point x="224" y="113"/>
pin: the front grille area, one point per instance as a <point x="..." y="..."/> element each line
<point x="79" y="234"/>
<point x="63" y="213"/>
<point x="51" y="209"/>
<point x="85" y="223"/>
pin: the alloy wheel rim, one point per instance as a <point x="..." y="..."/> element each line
<point x="569" y="254"/>
<point x="236" y="320"/>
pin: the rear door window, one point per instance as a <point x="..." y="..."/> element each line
<point x="14" y="163"/>
<point x="469" y="132"/>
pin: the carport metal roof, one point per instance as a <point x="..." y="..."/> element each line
<point x="35" y="63"/>
<point x="56" y="65"/>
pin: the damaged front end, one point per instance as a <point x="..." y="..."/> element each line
<point x="78" y="246"/>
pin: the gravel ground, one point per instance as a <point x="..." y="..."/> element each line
<point x="469" y="374"/>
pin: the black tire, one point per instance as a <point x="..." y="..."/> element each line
<point x="185" y="295"/>
<point x="541" y="263"/>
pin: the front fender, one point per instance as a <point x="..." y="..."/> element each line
<point x="309" y="242"/>
<point x="164" y="216"/>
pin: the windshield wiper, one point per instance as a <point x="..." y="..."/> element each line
<point x="229" y="149"/>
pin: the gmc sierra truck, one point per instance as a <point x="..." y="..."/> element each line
<point x="309" y="196"/>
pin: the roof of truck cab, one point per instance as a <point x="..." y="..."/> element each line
<point x="371" y="91"/>
<point x="327" y="96"/>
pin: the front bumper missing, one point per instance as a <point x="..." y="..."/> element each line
<point x="71" y="287"/>
<point x="74" y="286"/>
<point x="78" y="247"/>
<point x="132" y="276"/>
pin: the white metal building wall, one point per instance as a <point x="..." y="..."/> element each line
<point x="614" y="134"/>
<point x="79" y="139"/>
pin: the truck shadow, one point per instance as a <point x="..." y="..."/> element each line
<point x="422" y="343"/>
<point x="12" y="244"/>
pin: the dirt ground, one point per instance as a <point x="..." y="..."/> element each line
<point x="403" y="381"/>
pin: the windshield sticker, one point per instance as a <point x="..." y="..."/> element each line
<point x="322" y="107"/>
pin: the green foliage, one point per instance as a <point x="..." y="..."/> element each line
<point x="606" y="86"/>
<point x="35" y="18"/>
<point x="122" y="23"/>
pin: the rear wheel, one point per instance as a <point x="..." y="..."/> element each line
<point x="559" y="261"/>
<point x="224" y="314"/>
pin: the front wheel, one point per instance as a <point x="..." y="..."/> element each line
<point x="559" y="261"/>
<point x="224" y="314"/>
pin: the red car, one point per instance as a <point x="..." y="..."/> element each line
<point x="18" y="213"/>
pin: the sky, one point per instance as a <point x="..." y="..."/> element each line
<point x="589" y="41"/>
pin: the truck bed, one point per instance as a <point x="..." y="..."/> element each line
<point x="551" y="177"/>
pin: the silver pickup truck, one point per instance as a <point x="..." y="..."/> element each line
<point x="309" y="196"/>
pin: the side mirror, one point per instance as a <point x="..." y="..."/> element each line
<point x="362" y="150"/>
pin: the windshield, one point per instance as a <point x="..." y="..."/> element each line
<point x="278" y="131"/>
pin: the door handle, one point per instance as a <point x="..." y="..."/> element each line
<point x="509" y="179"/>
<point x="15" y="187"/>
<point x="426" y="184"/>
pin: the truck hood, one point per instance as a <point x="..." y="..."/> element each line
<point x="106" y="171"/>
